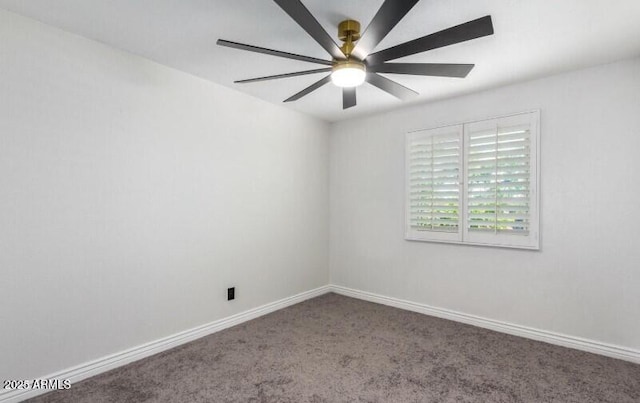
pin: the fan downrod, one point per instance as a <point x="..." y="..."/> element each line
<point x="348" y="32"/>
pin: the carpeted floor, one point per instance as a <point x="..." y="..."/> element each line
<point x="338" y="349"/>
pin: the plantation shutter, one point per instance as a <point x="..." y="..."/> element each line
<point x="500" y="181"/>
<point x="434" y="169"/>
<point x="475" y="183"/>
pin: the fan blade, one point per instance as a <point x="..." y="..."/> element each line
<point x="307" y="21"/>
<point x="460" y="33"/>
<point x="424" y="69"/>
<point x="272" y="52"/>
<point x="393" y="88"/>
<point x="309" y="89"/>
<point x="389" y="14"/>
<point x="286" y="75"/>
<point x="348" y="97"/>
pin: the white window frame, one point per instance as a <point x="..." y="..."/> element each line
<point x="464" y="236"/>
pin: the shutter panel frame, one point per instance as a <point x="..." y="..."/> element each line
<point x="515" y="182"/>
<point x="426" y="217"/>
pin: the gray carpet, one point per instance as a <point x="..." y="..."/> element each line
<point x="338" y="349"/>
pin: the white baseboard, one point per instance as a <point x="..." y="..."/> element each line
<point x="107" y="363"/>
<point x="577" y="343"/>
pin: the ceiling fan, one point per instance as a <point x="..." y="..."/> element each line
<point x="354" y="63"/>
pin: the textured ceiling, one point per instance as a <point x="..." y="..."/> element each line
<point x="532" y="39"/>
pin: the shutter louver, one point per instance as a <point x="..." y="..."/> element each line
<point x="498" y="180"/>
<point x="433" y="182"/>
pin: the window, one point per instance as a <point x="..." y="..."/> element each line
<point x="475" y="183"/>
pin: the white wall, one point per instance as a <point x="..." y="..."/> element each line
<point x="586" y="279"/>
<point x="132" y="195"/>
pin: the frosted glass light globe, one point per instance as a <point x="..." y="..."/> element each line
<point x="348" y="74"/>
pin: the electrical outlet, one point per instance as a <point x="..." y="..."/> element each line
<point x="231" y="293"/>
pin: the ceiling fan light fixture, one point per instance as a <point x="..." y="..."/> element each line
<point x="348" y="73"/>
<point x="349" y="63"/>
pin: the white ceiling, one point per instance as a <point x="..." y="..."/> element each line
<point x="532" y="38"/>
